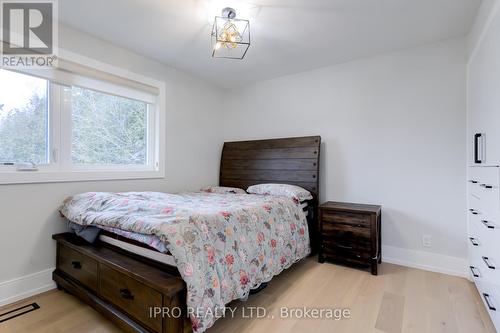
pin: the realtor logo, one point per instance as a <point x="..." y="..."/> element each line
<point x="29" y="33"/>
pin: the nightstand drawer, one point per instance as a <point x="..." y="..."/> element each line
<point x="353" y="220"/>
<point x="347" y="242"/>
<point x="339" y="253"/>
<point x="345" y="230"/>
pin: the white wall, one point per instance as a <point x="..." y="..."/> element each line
<point x="393" y="128"/>
<point x="29" y="212"/>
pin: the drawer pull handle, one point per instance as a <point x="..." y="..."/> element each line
<point x="486" y="186"/>
<point x="472" y="269"/>
<point x="344" y="247"/>
<point x="476" y="148"/>
<point x="487" y="300"/>
<point x="487" y="224"/>
<point x="473" y="211"/>
<point x="76" y="264"/>
<point x="473" y="241"/>
<point x="487" y="262"/>
<point x="125" y="293"/>
<point x="473" y="181"/>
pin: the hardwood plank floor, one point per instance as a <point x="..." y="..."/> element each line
<point x="399" y="299"/>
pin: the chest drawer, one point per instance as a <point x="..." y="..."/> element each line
<point x="131" y="296"/>
<point x="78" y="266"/>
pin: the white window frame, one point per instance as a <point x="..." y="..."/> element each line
<point x="62" y="169"/>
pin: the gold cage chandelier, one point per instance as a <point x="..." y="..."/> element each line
<point x="230" y="36"/>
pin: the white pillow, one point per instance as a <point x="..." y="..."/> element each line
<point x="222" y="190"/>
<point x="291" y="191"/>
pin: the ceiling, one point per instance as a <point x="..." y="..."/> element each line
<point x="288" y="36"/>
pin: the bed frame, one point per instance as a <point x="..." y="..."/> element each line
<point x="292" y="161"/>
<point x="122" y="286"/>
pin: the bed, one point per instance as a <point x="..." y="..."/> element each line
<point x="233" y="261"/>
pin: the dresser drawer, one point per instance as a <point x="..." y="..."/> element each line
<point x="477" y="268"/>
<point x="484" y="227"/>
<point x="490" y="295"/>
<point x="484" y="175"/>
<point x="486" y="262"/>
<point x="130" y="296"/>
<point x="78" y="266"/>
<point x="486" y="199"/>
<point x="475" y="241"/>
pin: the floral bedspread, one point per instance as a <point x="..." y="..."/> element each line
<point x="223" y="244"/>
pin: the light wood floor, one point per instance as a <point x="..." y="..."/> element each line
<point x="399" y="299"/>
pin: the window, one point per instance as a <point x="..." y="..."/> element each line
<point x="108" y="130"/>
<point x="77" y="127"/>
<point x="23" y="119"/>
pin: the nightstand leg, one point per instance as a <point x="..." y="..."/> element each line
<point x="321" y="260"/>
<point x="374" y="266"/>
<point x="380" y="238"/>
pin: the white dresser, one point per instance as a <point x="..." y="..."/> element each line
<point x="484" y="235"/>
<point x="483" y="160"/>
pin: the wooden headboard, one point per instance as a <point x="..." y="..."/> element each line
<point x="292" y="161"/>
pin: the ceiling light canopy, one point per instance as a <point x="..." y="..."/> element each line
<point x="230" y="36"/>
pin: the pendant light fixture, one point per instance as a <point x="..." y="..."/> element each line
<point x="230" y="36"/>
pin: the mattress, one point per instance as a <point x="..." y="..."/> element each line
<point x="141" y="250"/>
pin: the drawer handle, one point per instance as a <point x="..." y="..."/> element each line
<point x="473" y="211"/>
<point x="472" y="268"/>
<point x="76" y="264"/>
<point x="487" y="262"/>
<point x="125" y="293"/>
<point x="486" y="186"/>
<point x="476" y="148"/>
<point x="473" y="241"/>
<point x="344" y="247"/>
<point x="473" y="181"/>
<point x="487" y="300"/>
<point x="487" y="224"/>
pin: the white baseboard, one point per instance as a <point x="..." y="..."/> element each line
<point x="425" y="260"/>
<point x="26" y="286"/>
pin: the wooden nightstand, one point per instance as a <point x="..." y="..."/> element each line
<point x="350" y="233"/>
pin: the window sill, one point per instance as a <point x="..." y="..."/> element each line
<point x="30" y="177"/>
